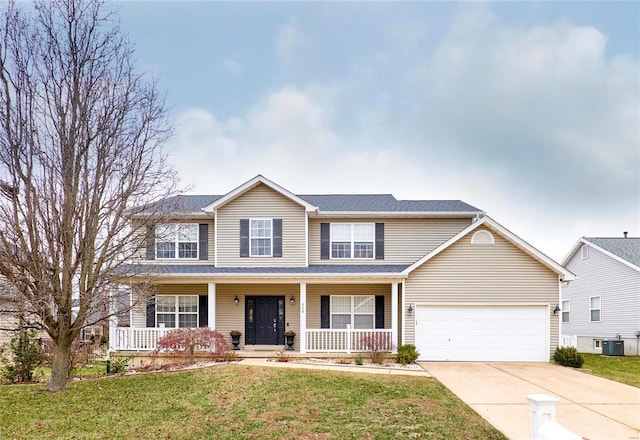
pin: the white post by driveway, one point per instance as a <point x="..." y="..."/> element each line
<point x="542" y="409"/>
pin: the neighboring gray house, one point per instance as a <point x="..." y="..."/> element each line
<point x="603" y="303"/>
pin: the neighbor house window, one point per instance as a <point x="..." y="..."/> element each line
<point x="352" y="240"/>
<point x="356" y="311"/>
<point x="177" y="241"/>
<point x="260" y="237"/>
<point x="597" y="343"/>
<point x="177" y="311"/>
<point x="566" y="309"/>
<point x="585" y="252"/>
<point x="594" y="308"/>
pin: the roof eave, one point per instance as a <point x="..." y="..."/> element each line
<point x="422" y="214"/>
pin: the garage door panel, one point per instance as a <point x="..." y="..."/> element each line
<point x="482" y="333"/>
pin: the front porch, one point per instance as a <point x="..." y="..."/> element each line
<point x="144" y="339"/>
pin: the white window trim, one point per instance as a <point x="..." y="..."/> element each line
<point x="591" y="309"/>
<point x="479" y="234"/>
<point x="270" y="238"/>
<point x="584" y="251"/>
<point x="353" y="313"/>
<point x="373" y="242"/>
<point x="177" y="312"/>
<point x="177" y="243"/>
<point x="597" y="344"/>
<point x="564" y="310"/>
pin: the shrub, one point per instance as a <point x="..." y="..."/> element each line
<point x="118" y="365"/>
<point x="377" y="345"/>
<point x="186" y="341"/>
<point x="228" y="356"/>
<point x="359" y="359"/>
<point x="281" y="356"/>
<point x="568" y="356"/>
<point x="407" y="354"/>
<point x="25" y="356"/>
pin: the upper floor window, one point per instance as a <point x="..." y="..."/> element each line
<point x="352" y="240"/>
<point x="177" y="241"/>
<point x="356" y="311"/>
<point x="566" y="310"/>
<point x="260" y="237"/>
<point x="595" y="305"/>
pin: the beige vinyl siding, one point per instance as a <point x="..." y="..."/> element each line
<point x="6" y="322"/>
<point x="261" y="202"/>
<point x="141" y="234"/>
<point x="230" y="316"/>
<point x="406" y="240"/>
<point x="488" y="274"/>
<point x="315" y="291"/>
<point x="139" y="309"/>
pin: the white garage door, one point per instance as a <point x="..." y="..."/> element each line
<point x="482" y="333"/>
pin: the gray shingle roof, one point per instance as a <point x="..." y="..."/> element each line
<point x="625" y="248"/>
<point x="352" y="269"/>
<point x="337" y="203"/>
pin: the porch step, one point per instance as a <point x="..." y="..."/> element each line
<point x="263" y="347"/>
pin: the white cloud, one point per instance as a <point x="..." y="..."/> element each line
<point x="232" y="66"/>
<point x="288" y="40"/>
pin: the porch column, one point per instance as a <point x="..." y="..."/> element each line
<point x="303" y="317"/>
<point x="211" y="307"/>
<point x="113" y="324"/>
<point x="394" y="313"/>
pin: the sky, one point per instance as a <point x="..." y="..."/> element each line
<point x="529" y="111"/>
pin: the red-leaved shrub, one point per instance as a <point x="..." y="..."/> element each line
<point x="377" y="345"/>
<point x="187" y="341"/>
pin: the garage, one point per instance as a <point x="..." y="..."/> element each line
<point x="482" y="332"/>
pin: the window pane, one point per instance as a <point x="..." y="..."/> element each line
<point x="595" y="302"/>
<point x="364" y="304"/>
<point x="188" y="232"/>
<point x="341" y="249"/>
<point x="595" y="315"/>
<point x="341" y="304"/>
<point x="341" y="232"/>
<point x="187" y="250"/>
<point x="363" y="232"/>
<point x="261" y="228"/>
<point x="166" y="232"/>
<point x="363" y="321"/>
<point x="363" y="250"/>
<point x="340" y="321"/>
<point x="188" y="303"/>
<point x="165" y="250"/>
<point x="165" y="303"/>
<point x="565" y="316"/>
<point x="566" y="306"/>
<point x="260" y="246"/>
<point x="169" y="320"/>
<point x="188" y="320"/>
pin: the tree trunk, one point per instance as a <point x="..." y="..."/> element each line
<point x="60" y="365"/>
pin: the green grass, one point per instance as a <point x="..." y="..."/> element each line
<point x="234" y="401"/>
<point x="621" y="369"/>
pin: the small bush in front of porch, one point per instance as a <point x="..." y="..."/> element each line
<point x="186" y="341"/>
<point x="407" y="354"/>
<point x="377" y="345"/>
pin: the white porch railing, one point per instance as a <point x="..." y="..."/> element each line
<point x="139" y="338"/>
<point x="347" y="340"/>
<point x="568" y="341"/>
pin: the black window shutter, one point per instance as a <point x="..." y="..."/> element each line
<point x="324" y="241"/>
<point x="203" y="243"/>
<point x="277" y="237"/>
<point x="151" y="243"/>
<point x="379" y="311"/>
<point x="151" y="311"/>
<point x="325" y="321"/>
<point x="244" y="237"/>
<point x="379" y="241"/>
<point x="203" y="310"/>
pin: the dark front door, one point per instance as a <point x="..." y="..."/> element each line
<point x="264" y="320"/>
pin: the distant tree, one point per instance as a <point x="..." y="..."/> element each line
<point x="81" y="137"/>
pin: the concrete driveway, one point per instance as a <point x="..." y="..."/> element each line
<point x="590" y="406"/>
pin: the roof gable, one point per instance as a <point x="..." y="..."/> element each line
<point x="565" y="274"/>
<point x="247" y="186"/>
<point x="624" y="250"/>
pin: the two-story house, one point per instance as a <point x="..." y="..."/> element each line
<point x="338" y="268"/>
<point x="603" y="303"/>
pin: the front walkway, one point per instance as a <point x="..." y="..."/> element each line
<point x="590" y="406"/>
<point x="299" y="363"/>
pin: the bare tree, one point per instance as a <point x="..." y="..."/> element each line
<point x="81" y="137"/>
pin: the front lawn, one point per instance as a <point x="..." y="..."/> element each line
<point x="234" y="401"/>
<point x="621" y="369"/>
